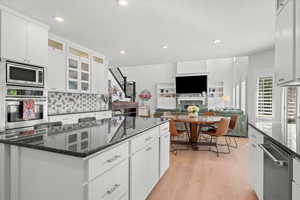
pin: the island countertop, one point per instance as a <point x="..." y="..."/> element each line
<point x="80" y="140"/>
<point x="286" y="138"/>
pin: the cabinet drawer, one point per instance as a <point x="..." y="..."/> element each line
<point x="296" y="192"/>
<point x="111" y="185"/>
<point x="103" y="162"/>
<point x="296" y="171"/>
<point x="164" y="128"/>
<point x="144" y="139"/>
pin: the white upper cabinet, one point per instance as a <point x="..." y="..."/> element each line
<point x="37" y="41"/>
<point x="79" y="68"/>
<point x="56" y="70"/>
<point x="22" y="40"/>
<point x="284" y="44"/>
<point x="99" y="75"/>
<point x="13" y="37"/>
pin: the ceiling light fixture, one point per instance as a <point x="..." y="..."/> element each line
<point x="59" y="19"/>
<point x="122" y="2"/>
<point x="122" y="52"/>
<point x="217" y="41"/>
<point x="165" y="47"/>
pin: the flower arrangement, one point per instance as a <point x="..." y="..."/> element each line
<point x="145" y="95"/>
<point x="193" y="111"/>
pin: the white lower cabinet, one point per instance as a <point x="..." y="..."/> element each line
<point x="164" y="154"/>
<point x="256" y="162"/>
<point x="113" y="185"/>
<point x="144" y="171"/>
<point x="296" y="191"/>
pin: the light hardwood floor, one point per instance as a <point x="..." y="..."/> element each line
<point x="201" y="175"/>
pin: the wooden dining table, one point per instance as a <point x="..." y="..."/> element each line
<point x="195" y="124"/>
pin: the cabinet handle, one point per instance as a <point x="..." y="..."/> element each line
<point x="147" y="139"/>
<point x="113" y="159"/>
<point x="111" y="190"/>
<point x="282" y="79"/>
<point x="149" y="148"/>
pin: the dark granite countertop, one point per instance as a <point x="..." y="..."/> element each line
<point x="80" y="140"/>
<point x="287" y="138"/>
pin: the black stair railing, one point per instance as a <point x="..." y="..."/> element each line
<point x="128" y="87"/>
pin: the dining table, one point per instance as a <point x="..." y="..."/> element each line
<point x="195" y="124"/>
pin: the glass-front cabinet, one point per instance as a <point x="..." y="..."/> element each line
<point x="78" y="70"/>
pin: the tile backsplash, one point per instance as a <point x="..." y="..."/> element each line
<point x="60" y="102"/>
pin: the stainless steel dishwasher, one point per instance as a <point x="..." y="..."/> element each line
<point x="277" y="172"/>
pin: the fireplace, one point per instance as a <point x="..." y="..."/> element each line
<point x="201" y="102"/>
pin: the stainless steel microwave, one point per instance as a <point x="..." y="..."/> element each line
<point x="24" y="75"/>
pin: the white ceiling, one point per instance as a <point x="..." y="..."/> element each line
<point x="188" y="27"/>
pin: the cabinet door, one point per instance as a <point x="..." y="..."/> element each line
<point x="284" y="44"/>
<point x="73" y="73"/>
<point x="260" y="173"/>
<point x="164" y="153"/>
<point x="99" y="81"/>
<point x="13" y="37"/>
<point x="56" y="70"/>
<point x="139" y="175"/>
<point x="153" y="165"/>
<point x="253" y="166"/>
<point x="144" y="171"/>
<point x="296" y="191"/>
<point x="37" y="45"/>
<point x="85" y="74"/>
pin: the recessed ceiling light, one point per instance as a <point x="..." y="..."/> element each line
<point x="122" y="52"/>
<point x="165" y="47"/>
<point x="59" y="19"/>
<point x="217" y="41"/>
<point x="122" y="2"/>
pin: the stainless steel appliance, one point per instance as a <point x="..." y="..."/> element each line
<point x="24" y="75"/>
<point x="13" y="106"/>
<point x="277" y="172"/>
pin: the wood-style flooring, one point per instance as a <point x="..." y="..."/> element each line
<point x="201" y="175"/>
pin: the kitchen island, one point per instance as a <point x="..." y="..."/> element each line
<point x="117" y="158"/>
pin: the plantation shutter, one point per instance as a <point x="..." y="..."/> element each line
<point x="292" y="104"/>
<point x="264" y="97"/>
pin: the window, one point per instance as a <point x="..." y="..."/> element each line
<point x="243" y="96"/>
<point x="264" y="97"/>
<point x="292" y="104"/>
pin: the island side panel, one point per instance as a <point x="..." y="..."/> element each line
<point x="4" y="172"/>
<point x="37" y="175"/>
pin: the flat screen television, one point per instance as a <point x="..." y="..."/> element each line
<point x="191" y="84"/>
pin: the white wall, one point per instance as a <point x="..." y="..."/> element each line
<point x="147" y="76"/>
<point x="262" y="64"/>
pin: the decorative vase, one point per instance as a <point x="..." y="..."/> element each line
<point x="193" y="114"/>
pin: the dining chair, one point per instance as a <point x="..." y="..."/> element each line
<point x="175" y="133"/>
<point x="232" y="126"/>
<point x="220" y="131"/>
<point x="208" y="114"/>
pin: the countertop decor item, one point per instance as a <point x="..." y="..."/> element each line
<point x="193" y="111"/>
